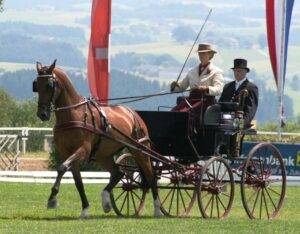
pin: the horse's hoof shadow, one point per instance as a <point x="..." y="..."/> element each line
<point x="52" y="204"/>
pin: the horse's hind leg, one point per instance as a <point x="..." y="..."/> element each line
<point x="144" y="162"/>
<point x="80" y="188"/>
<point x="115" y="176"/>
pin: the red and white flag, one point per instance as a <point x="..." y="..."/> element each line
<point x="278" y="16"/>
<point x="98" y="57"/>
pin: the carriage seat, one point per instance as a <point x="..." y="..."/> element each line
<point x="212" y="115"/>
<point x="222" y="116"/>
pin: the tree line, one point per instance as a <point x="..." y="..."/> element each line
<point x="18" y="85"/>
<point x="21" y="42"/>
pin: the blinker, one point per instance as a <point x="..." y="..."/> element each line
<point x="50" y="84"/>
<point x="34" y="86"/>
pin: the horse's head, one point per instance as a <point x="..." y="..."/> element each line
<point x="46" y="85"/>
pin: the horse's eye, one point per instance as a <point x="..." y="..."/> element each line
<point x="34" y="86"/>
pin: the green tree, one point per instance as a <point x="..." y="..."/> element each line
<point x="1" y="8"/>
<point x="25" y="115"/>
<point x="7" y="107"/>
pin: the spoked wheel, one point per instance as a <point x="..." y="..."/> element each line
<point x="263" y="182"/>
<point x="128" y="196"/>
<point x="215" y="189"/>
<point x="176" y="190"/>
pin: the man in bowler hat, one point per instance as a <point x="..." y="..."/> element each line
<point x="232" y="90"/>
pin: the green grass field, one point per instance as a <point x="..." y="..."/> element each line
<point x="23" y="210"/>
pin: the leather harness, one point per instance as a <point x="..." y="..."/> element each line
<point x="138" y="136"/>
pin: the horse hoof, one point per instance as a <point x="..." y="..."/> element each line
<point x="158" y="214"/>
<point x="84" y="213"/>
<point x="157" y="210"/>
<point x="52" y="204"/>
<point x="106" y="203"/>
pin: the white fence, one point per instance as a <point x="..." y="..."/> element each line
<point x="24" y="132"/>
<point x="49" y="177"/>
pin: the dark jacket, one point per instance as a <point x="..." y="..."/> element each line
<point x="229" y="94"/>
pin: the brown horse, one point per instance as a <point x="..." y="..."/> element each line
<point x="75" y="134"/>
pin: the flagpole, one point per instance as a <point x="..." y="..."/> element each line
<point x="281" y="74"/>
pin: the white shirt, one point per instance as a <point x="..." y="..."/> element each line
<point x="211" y="76"/>
<point x="238" y="83"/>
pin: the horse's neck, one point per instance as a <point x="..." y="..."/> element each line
<point x="67" y="97"/>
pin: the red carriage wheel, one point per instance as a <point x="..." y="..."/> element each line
<point x="176" y="189"/>
<point x="128" y="196"/>
<point x="263" y="182"/>
<point x="215" y="189"/>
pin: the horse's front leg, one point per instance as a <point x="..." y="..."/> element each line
<point x="79" y="185"/>
<point x="52" y="201"/>
<point x="79" y="154"/>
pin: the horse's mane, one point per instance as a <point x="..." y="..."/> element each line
<point x="66" y="82"/>
<point x="63" y="77"/>
<point x="60" y="73"/>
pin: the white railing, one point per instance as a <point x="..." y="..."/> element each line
<point x="88" y="177"/>
<point x="23" y="133"/>
<point x="276" y="133"/>
<point x="49" y="177"/>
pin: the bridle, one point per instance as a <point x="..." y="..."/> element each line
<point x="54" y="85"/>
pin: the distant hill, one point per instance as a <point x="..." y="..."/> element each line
<point x="124" y="84"/>
<point x="73" y="35"/>
<point x="25" y="49"/>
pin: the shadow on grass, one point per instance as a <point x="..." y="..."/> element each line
<point x="70" y="218"/>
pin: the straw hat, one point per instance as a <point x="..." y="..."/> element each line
<point x="205" y="47"/>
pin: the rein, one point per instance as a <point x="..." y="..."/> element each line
<point x="71" y="106"/>
<point x="141" y="97"/>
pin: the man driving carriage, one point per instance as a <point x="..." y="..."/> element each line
<point x="204" y="80"/>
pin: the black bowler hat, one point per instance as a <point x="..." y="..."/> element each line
<point x="240" y="63"/>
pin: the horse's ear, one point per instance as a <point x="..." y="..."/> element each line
<point x="51" y="68"/>
<point x="38" y="66"/>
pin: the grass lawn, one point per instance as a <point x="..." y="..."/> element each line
<point x="23" y="210"/>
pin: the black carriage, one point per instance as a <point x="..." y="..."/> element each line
<point x="203" y="162"/>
